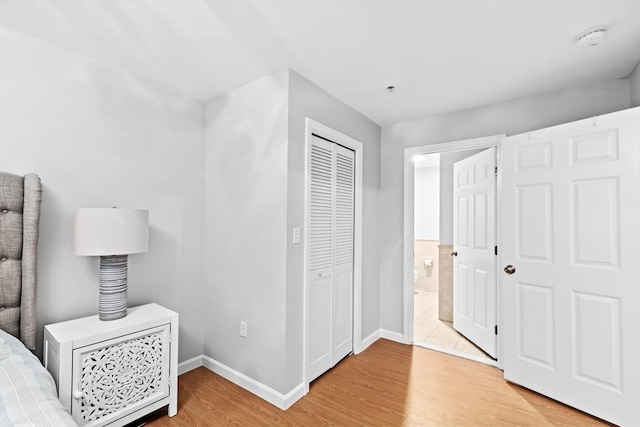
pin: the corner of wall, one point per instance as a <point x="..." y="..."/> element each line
<point x="245" y="229"/>
<point x="634" y="89"/>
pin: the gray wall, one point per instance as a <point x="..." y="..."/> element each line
<point x="511" y="117"/>
<point x="255" y="161"/>
<point x="99" y="137"/>
<point x="634" y="81"/>
<point x="245" y="230"/>
<point x="426" y="203"/>
<point x="308" y="100"/>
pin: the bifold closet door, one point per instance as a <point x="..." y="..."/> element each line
<point x="331" y="224"/>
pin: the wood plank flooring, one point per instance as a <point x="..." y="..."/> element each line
<point x="389" y="384"/>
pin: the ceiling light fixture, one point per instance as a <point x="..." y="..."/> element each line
<point x="391" y="88"/>
<point x="592" y="36"/>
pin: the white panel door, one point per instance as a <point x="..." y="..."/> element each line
<point x="474" y="263"/>
<point x="330" y="298"/>
<point x="571" y="248"/>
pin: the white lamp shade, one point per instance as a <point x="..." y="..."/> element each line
<point x="111" y="231"/>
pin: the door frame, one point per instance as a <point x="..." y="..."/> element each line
<point x="317" y="128"/>
<point x="407" y="240"/>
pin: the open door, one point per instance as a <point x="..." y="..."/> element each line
<point x="570" y="244"/>
<point x="474" y="235"/>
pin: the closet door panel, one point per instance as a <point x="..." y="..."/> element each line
<point x="321" y="219"/>
<point x="343" y="261"/>
<point x="321" y="207"/>
<point x="330" y="285"/>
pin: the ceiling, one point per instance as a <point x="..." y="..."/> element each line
<point x="441" y="56"/>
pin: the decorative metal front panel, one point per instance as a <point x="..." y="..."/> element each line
<point x="122" y="375"/>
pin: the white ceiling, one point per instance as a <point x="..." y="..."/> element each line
<point x="442" y="56"/>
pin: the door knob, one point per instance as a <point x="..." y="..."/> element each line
<point x="509" y="269"/>
<point x="454" y="253"/>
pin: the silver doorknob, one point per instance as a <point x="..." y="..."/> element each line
<point x="454" y="253"/>
<point x="509" y="269"/>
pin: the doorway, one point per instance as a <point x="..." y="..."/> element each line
<point x="567" y="309"/>
<point x="428" y="314"/>
<point x="433" y="263"/>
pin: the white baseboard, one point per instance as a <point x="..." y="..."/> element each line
<point x="189" y="365"/>
<point x="282" y="401"/>
<point x="369" y="340"/>
<point x="392" y="336"/>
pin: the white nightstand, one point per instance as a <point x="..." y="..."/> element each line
<point x="114" y="372"/>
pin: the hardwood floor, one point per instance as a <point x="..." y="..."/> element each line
<point x="389" y="384"/>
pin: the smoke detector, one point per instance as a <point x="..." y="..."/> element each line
<point x="592" y="36"/>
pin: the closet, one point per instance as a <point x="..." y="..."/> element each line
<point x="330" y="201"/>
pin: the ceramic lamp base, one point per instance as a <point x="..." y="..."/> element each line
<point x="112" y="303"/>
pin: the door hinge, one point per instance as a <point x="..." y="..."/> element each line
<point x="495" y="249"/>
<point x="496" y="329"/>
<point x="495" y="171"/>
<point x="169" y="338"/>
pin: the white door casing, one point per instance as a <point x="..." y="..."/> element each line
<point x="474" y="237"/>
<point x="331" y="255"/>
<point x="571" y="235"/>
<point x="408" y="226"/>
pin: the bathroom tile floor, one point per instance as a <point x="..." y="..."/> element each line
<point x="430" y="330"/>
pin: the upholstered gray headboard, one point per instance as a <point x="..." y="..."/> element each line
<point x="20" y="198"/>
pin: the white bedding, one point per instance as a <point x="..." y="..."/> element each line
<point x="28" y="395"/>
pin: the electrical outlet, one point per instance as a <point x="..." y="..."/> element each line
<point x="243" y="329"/>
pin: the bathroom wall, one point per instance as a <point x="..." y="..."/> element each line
<point x="426" y="226"/>
<point x="427" y="275"/>
<point x="445" y="272"/>
<point x="427" y="203"/>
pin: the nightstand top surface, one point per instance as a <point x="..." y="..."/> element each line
<point x="138" y="317"/>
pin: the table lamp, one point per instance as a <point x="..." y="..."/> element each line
<point x="112" y="234"/>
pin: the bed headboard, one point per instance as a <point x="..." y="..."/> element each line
<point x="20" y="198"/>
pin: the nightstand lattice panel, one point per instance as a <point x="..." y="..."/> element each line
<point x="122" y="375"/>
